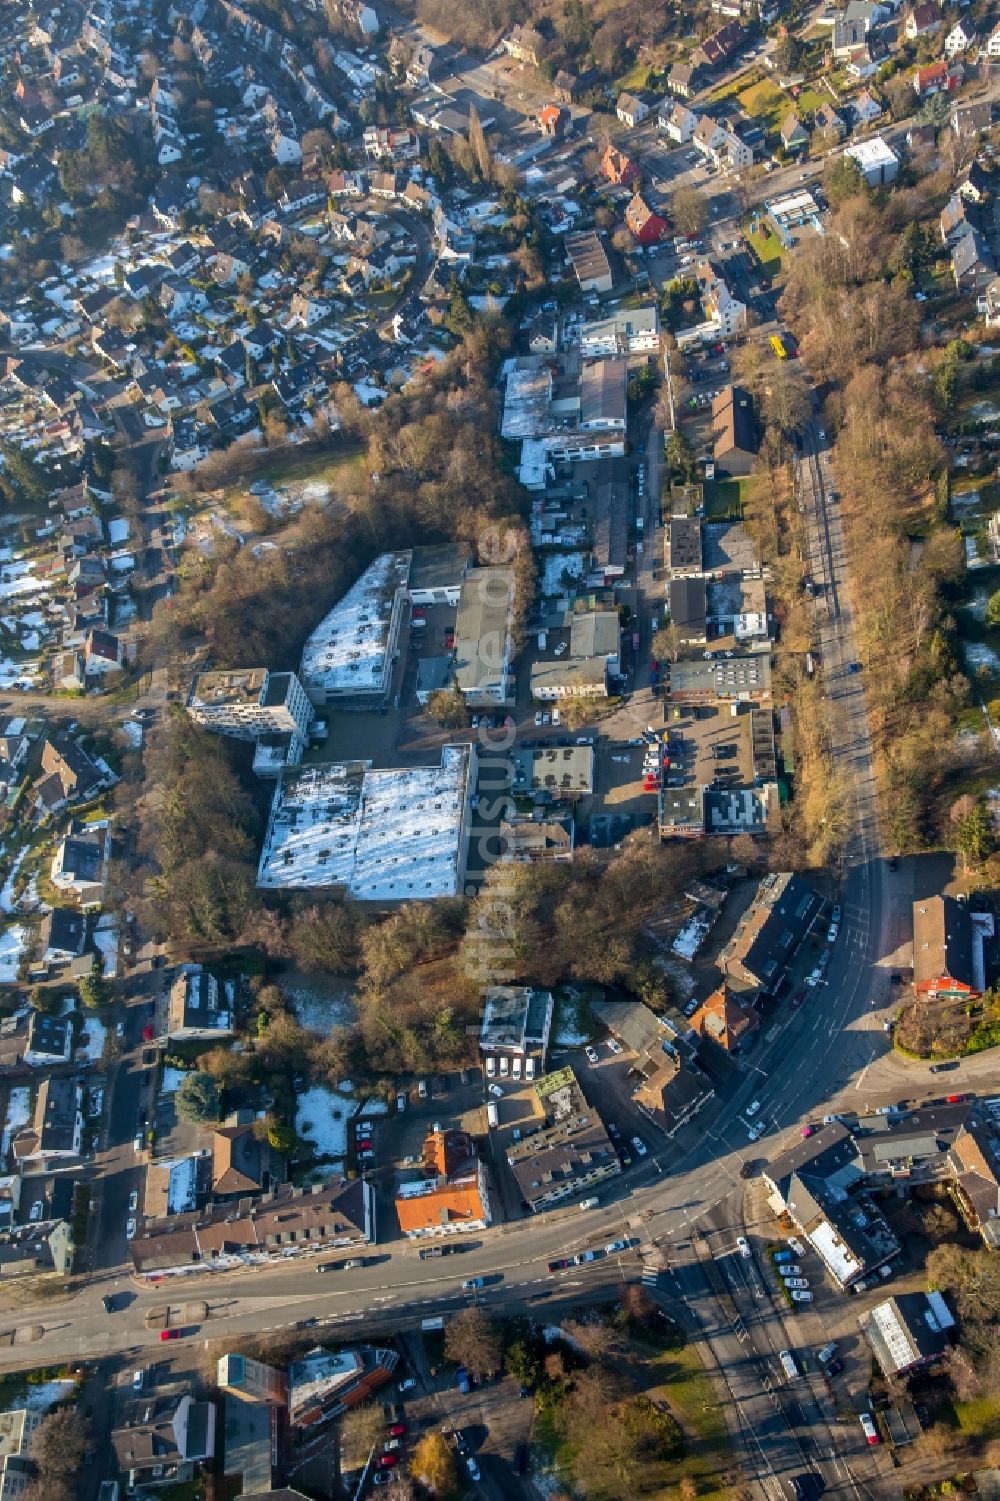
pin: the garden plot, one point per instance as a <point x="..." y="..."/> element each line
<point x="556" y="566"/>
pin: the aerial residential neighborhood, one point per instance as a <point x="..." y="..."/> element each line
<point x="499" y="703"/>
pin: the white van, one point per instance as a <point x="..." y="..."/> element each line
<point x="491" y="1067"/>
<point x="504" y="1066"/>
<point x="515" y="1068"/>
<point x="529" y="1068"/>
<point x="589" y="1203"/>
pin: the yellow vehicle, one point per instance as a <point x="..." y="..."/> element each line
<point x="777" y="344"/>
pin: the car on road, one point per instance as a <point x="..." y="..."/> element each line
<point x="808" y="1130"/>
<point x="800" y="1296"/>
<point x="743" y="1246"/>
<point x="640" y="1146"/>
<point x="472" y="1283"/>
<point x="869" y="1429"/>
<point x="756" y="1132"/>
<point x="472" y="1467"/>
<point x="133" y="1201"/>
<point x="138" y="1141"/>
<point x="396" y="1430"/>
<point x="613" y="1130"/>
<point x="835" y="915"/>
<point x="130" y="1229"/>
<point x="388" y="1460"/>
<point x="560" y="1264"/>
<point x="166" y="1334"/>
<point x="408" y="1384"/>
<point x="797" y="999"/>
<point x="752" y="1109"/>
<point x="354" y="1263"/>
<point x="591" y="1054"/>
<point x="614" y="1047"/>
<point x="108" y="1301"/>
<point x="496" y="1091"/>
<point x="944" y="1068"/>
<point x="392" y="1444"/>
<point x="137" y="1377"/>
<point x="584" y="1258"/>
<point x="614" y="1246"/>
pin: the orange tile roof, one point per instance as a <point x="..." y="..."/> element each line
<point x="445" y="1203"/>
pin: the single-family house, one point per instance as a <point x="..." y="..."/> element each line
<point x="960" y="38"/>
<point x="866" y="107"/>
<point x="972" y="263"/>
<point x="56" y="1129"/>
<point x="794" y="136"/>
<point x="525" y="44"/>
<point x="631" y="110"/>
<point x="937" y="78"/>
<point x="62" y="935"/>
<point x="827" y="120"/>
<point x="734" y="429"/>
<point x="80" y="863"/>
<point x="922" y="20"/>
<point x="677" y="121"/>
<point x="618" y="167"/>
<point x="971" y="119"/>
<point x="645" y="226"/>
<point x="683" y="79"/>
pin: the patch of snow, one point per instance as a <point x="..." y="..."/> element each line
<point x="553" y="1335"/>
<point x="319" y="1010"/>
<point x="977" y="654"/>
<point x="7" y="894"/>
<point x="321" y="1117"/>
<point x="977" y="604"/>
<point x="106" y="944"/>
<point x="18" y="1114"/>
<point x="40" y="1398"/>
<point x="555" y="565"/>
<point x="132" y="731"/>
<point x="567" y="1030"/>
<point x="92" y="1039"/>
<point x="13" y="942"/>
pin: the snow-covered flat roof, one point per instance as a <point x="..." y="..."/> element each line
<point x="347" y="651"/>
<point x="389" y="835"/>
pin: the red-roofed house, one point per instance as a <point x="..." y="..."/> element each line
<point x="553" y="121"/>
<point x="936" y="78"/>
<point x="619" y="168"/>
<point x="646" y="226"/>
<point x="921" y="21"/>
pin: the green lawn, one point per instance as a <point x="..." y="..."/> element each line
<point x="724" y="499"/>
<point x="679" y="1379"/>
<point x="809" y="101"/>
<point x="979" y="1418"/>
<point x="766" y="102"/>
<point x="767" y="248"/>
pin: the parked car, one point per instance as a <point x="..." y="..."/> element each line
<point x="408" y="1384"/>
<point x="798" y="1296"/>
<point x="133" y="1201"/>
<point x="640" y="1146"/>
<point x="472" y="1467"/>
<point x="869" y="1429"/>
<point x="560" y="1264"/>
<point x="396" y="1430"/>
<point x="166" y="1334"/>
<point x="743" y="1246"/>
<point x="796" y="1246"/>
<point x="752" y="1109"/>
<point x="591" y="1054"/>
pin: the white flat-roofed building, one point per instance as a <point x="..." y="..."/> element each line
<point x="877" y="161"/>
<point x="516" y="1020"/>
<point x="483" y="635"/>
<point x="384" y="836"/>
<point x="348" y="658"/>
<point x="626" y="331"/>
<point x="254" y="704"/>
